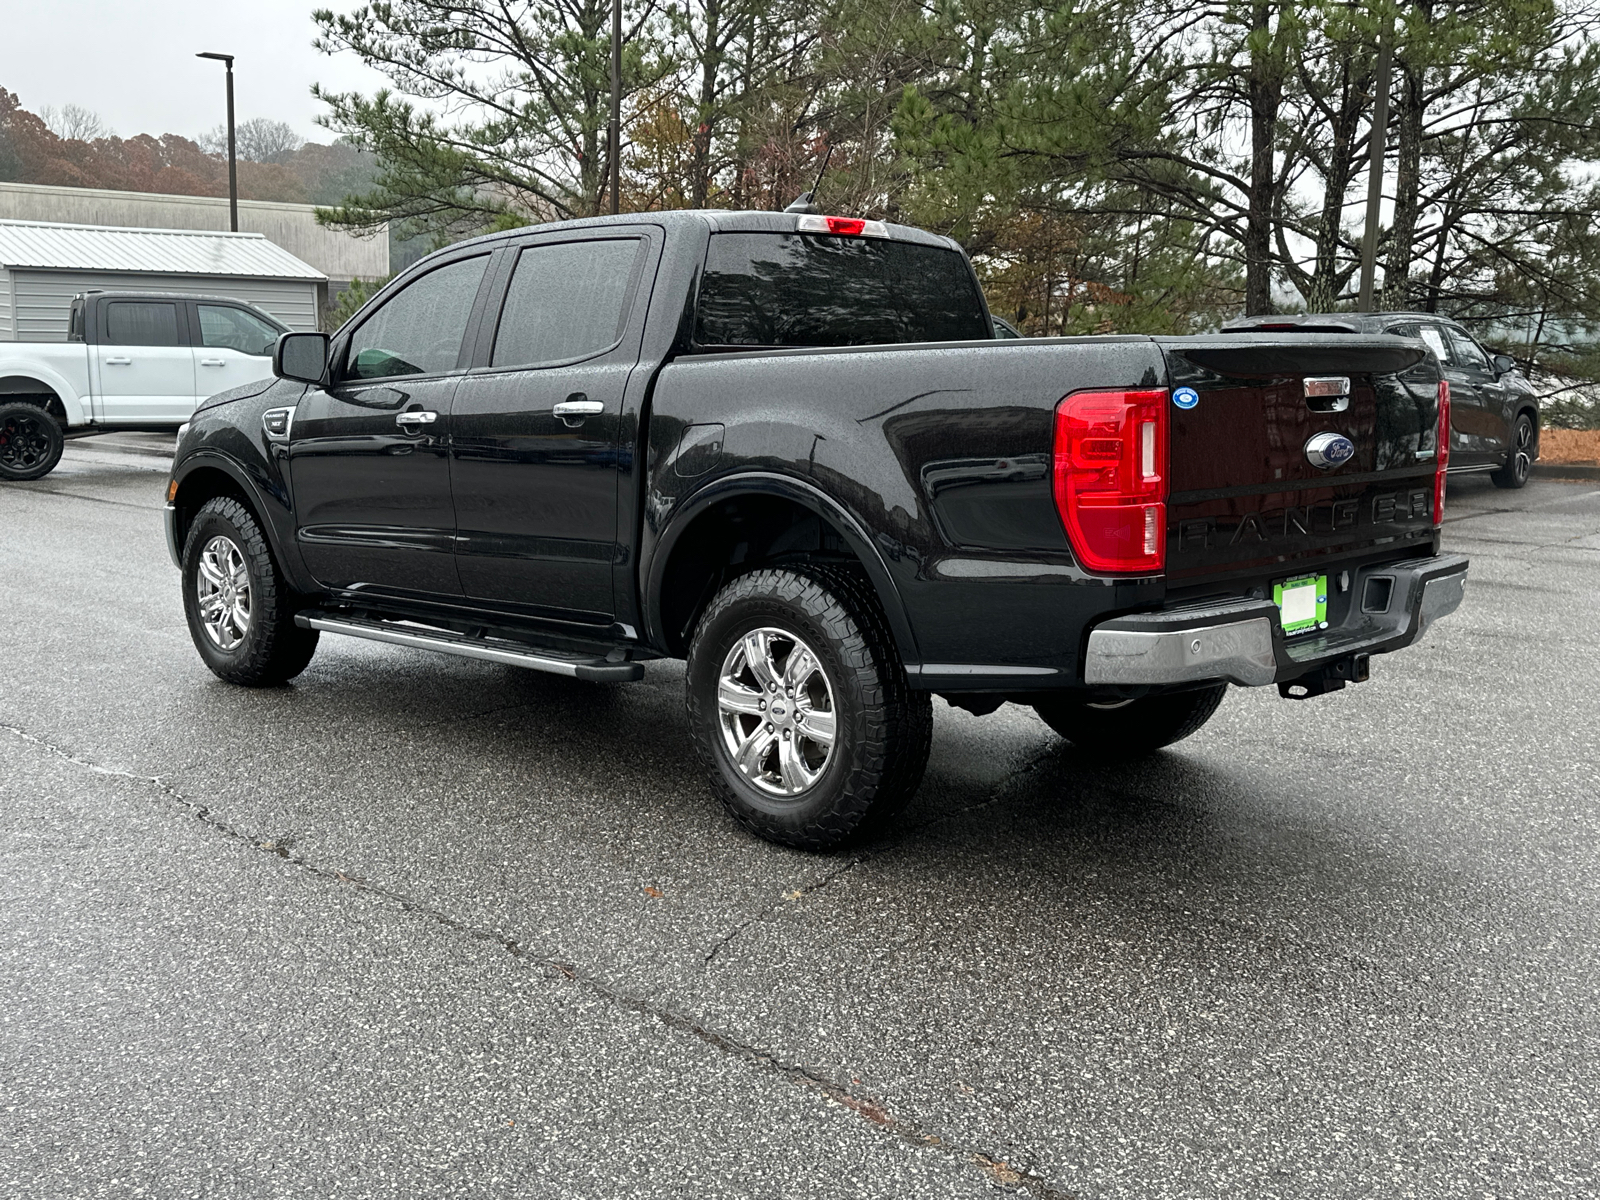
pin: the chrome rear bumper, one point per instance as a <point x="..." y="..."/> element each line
<point x="1242" y="642"/>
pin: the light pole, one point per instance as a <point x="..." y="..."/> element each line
<point x="233" y="160"/>
<point x="614" y="127"/>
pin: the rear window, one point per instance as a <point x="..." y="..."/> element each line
<point x="789" y="289"/>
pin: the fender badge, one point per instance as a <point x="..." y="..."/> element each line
<point x="1328" y="450"/>
<point x="1186" y="397"/>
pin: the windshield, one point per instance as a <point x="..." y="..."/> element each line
<point x="789" y="289"/>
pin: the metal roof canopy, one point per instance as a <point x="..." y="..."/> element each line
<point x="44" y="245"/>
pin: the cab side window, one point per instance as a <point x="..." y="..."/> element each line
<point x="566" y="301"/>
<point x="227" y="328"/>
<point x="418" y="331"/>
<point x="143" y="323"/>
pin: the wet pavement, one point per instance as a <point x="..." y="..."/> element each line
<point x="429" y="927"/>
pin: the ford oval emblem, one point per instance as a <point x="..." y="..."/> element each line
<point x="1186" y="397"/>
<point x="1328" y="450"/>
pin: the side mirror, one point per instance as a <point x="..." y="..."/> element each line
<point x="301" y="356"/>
<point x="1503" y="363"/>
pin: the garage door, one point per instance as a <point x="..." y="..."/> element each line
<point x="43" y="297"/>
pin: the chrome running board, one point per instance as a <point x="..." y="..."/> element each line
<point x="500" y="650"/>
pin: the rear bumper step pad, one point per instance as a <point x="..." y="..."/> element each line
<point x="500" y="650"/>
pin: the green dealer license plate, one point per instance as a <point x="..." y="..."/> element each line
<point x="1302" y="603"/>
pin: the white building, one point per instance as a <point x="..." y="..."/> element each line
<point x="43" y="265"/>
<point x="339" y="255"/>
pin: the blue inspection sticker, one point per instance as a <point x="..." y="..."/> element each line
<point x="1186" y="397"/>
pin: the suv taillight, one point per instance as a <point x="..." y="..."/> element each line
<point x="1110" y="478"/>
<point x="1441" y="457"/>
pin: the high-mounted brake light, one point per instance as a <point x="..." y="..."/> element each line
<point x="1109" y="475"/>
<point x="842" y="226"/>
<point x="1441" y="457"/>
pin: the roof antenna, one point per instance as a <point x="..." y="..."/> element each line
<point x="806" y="202"/>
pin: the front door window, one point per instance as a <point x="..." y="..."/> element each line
<point x="418" y="331"/>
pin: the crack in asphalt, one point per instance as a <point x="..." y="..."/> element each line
<point x="869" y="1109"/>
<point x="1000" y="793"/>
<point x="797" y="894"/>
<point x="91" y="499"/>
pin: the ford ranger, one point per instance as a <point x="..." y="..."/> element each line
<point x="790" y="449"/>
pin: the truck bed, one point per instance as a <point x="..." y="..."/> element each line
<point x="942" y="454"/>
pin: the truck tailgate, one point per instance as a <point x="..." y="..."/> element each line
<point x="1249" y="494"/>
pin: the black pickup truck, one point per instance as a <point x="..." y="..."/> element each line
<point x="791" y="449"/>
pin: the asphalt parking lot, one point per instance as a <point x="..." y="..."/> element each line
<point x="428" y="927"/>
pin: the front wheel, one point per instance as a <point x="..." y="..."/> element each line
<point x="1131" y="728"/>
<point x="240" y="607"/>
<point x="31" y="441"/>
<point x="1519" y="459"/>
<point x="800" y="708"/>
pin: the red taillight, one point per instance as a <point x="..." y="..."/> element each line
<point x="1441" y="457"/>
<point x="1110" y="478"/>
<point x="846" y="226"/>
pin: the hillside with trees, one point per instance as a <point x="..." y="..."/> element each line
<point x="73" y="147"/>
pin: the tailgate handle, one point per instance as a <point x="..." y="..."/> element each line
<point x="1327" y="393"/>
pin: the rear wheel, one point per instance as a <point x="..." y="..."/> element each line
<point x="239" y="606"/>
<point x="1519" y="458"/>
<point x="1130" y="728"/>
<point x="800" y="708"/>
<point x="31" y="441"/>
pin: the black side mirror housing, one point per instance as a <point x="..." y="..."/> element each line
<point x="302" y="357"/>
<point x="1503" y="363"/>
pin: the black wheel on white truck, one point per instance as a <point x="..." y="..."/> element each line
<point x="31" y="441"/>
<point x="800" y="707"/>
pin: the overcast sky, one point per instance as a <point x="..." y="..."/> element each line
<point x="135" y="64"/>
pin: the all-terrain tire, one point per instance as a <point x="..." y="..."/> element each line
<point x="239" y="606"/>
<point x="882" y="728"/>
<point x="1519" y="456"/>
<point x="1133" y="728"/>
<point x="31" y="441"/>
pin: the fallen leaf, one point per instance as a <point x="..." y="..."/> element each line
<point x="794" y="895"/>
<point x="653" y="893"/>
<point x="1001" y="1170"/>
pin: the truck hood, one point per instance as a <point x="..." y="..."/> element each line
<point x="243" y="392"/>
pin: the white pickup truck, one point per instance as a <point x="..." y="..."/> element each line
<point x="132" y="360"/>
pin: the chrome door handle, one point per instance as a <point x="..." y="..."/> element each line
<point x="213" y="362"/>
<point x="415" y="418"/>
<point x="578" y="408"/>
<point x="119" y="362"/>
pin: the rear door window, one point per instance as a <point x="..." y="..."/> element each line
<point x="567" y="301"/>
<point x="1433" y="335"/>
<point x="143" y="323"/>
<point x="790" y="289"/>
<point x="418" y="330"/>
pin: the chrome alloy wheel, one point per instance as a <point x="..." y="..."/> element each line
<point x="222" y="590"/>
<point x="775" y="706"/>
<point x="1522" y="452"/>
